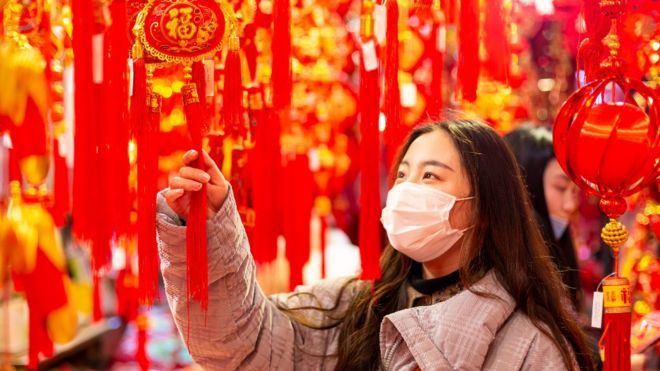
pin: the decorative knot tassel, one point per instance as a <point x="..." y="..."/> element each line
<point x="196" y="257"/>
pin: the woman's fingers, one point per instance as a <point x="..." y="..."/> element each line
<point x="185" y="184"/>
<point x="173" y="194"/>
<point x="189" y="157"/>
<point x="195" y="174"/>
<point x="212" y="169"/>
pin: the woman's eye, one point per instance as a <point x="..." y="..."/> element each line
<point x="561" y="188"/>
<point x="400" y="175"/>
<point x="428" y="175"/>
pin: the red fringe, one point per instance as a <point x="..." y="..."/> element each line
<point x="141" y="356"/>
<point x="592" y="51"/>
<point x="232" y="100"/>
<point x="266" y="173"/>
<point x="437" y="70"/>
<point x="97" y="309"/>
<point x="323" y="232"/>
<point x="449" y="8"/>
<point x="84" y="190"/>
<point x="616" y="341"/>
<point x="298" y="185"/>
<point x="147" y="159"/>
<point x="117" y="44"/>
<point x="281" y="49"/>
<point x="62" y="199"/>
<point x="468" y="52"/>
<point x="394" y="130"/>
<point x="369" y="232"/>
<point x="496" y="41"/>
<point x="196" y="257"/>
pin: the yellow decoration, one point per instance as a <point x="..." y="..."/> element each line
<point x="617" y="295"/>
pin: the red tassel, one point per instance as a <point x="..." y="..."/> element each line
<point x="496" y="41"/>
<point x="617" y="323"/>
<point x="297" y="189"/>
<point x="394" y="130"/>
<point x="142" y="324"/>
<point x="196" y="257"/>
<point x="266" y="172"/>
<point x="592" y="51"/>
<point x="449" y="8"/>
<point x="84" y="191"/>
<point x="437" y="64"/>
<point x="468" y="52"/>
<point x="323" y="232"/>
<point x="62" y="200"/>
<point x="281" y="49"/>
<point x="117" y="46"/>
<point x="147" y="159"/>
<point x="369" y="113"/>
<point x="232" y="100"/>
<point x="97" y="309"/>
<point x="45" y="292"/>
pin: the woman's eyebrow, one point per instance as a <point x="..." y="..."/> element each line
<point x="437" y="163"/>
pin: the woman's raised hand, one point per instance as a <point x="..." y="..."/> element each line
<point x="190" y="179"/>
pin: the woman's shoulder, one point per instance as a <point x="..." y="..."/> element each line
<point x="328" y="298"/>
<point x="477" y="328"/>
<point x="521" y="340"/>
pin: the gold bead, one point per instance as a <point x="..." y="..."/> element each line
<point x="614" y="234"/>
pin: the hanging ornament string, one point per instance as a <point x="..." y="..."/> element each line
<point x="468" y="49"/>
<point x="232" y="96"/>
<point x="281" y="49"/>
<point x="369" y="229"/>
<point x="196" y="257"/>
<point x="437" y="60"/>
<point x="394" y="130"/>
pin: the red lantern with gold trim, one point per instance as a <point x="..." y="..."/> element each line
<point x="606" y="139"/>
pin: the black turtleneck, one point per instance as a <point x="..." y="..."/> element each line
<point x="433" y="285"/>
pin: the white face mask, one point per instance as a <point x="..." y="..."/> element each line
<point x="559" y="226"/>
<point x="416" y="218"/>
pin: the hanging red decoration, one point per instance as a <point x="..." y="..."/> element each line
<point x="496" y="42"/>
<point x="232" y="92"/>
<point x="438" y="47"/>
<point x="281" y="48"/>
<point x="607" y="139"/>
<point x="267" y="158"/>
<point x="468" y="49"/>
<point x="394" y="129"/>
<point x="183" y="32"/>
<point x="369" y="103"/>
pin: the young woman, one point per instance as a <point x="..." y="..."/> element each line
<point x="554" y="198"/>
<point x="466" y="281"/>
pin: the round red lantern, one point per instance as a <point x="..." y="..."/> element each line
<point x="607" y="142"/>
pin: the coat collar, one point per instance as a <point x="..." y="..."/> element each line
<point x="457" y="332"/>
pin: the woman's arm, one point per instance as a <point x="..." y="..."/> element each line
<point x="242" y="327"/>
